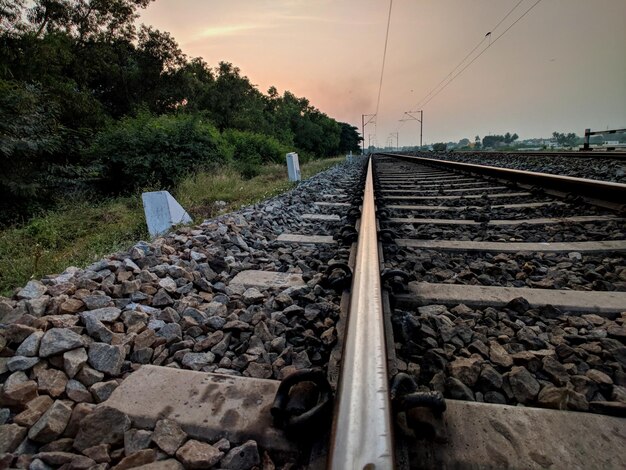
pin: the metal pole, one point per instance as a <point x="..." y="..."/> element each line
<point x="421" y="127"/>
<point x="363" y="134"/>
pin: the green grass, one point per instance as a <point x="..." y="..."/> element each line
<point x="80" y="232"/>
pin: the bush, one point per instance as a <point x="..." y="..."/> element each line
<point x="250" y="150"/>
<point x="142" y="151"/>
<point x="440" y="147"/>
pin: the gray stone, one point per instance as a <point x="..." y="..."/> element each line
<point x="135" y="440"/>
<point x="77" y="392"/>
<point x="30" y="346"/>
<point x="104" y="425"/>
<point x="94" y="302"/>
<point x="37" y="307"/>
<point x="73" y="361"/>
<point x="101" y="391"/>
<point x="168" y="284"/>
<point x="5" y="413"/>
<point x="32" y="290"/>
<point x="490" y="379"/>
<point x="58" y="340"/>
<point x="555" y="370"/>
<point x="168" y="435"/>
<point x="197" y="361"/>
<point x="106" y="358"/>
<point x="162" y="299"/>
<point x="171" y="332"/>
<point x="252" y="295"/>
<point x="458" y="390"/>
<point x="52" y="423"/>
<point x="524" y="386"/>
<point x="242" y="457"/>
<point x="21" y="363"/>
<point x="97" y="329"/>
<point x="105" y="314"/>
<point x="89" y="376"/>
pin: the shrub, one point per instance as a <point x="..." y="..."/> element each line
<point x="142" y="151"/>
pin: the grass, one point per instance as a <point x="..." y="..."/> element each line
<point x="80" y="232"/>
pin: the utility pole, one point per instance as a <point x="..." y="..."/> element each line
<point x="415" y="118"/>
<point x="370" y="117"/>
<point x="396" y="134"/>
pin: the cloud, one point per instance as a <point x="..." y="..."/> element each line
<point x="230" y="30"/>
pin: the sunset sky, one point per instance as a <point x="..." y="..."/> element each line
<point x="562" y="67"/>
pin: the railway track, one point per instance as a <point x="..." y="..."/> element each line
<point x="390" y="315"/>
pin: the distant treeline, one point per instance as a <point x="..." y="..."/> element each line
<point x="91" y="103"/>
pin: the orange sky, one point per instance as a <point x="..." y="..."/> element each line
<point x="560" y="68"/>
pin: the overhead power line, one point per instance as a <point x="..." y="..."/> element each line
<point x="423" y="100"/>
<point x="382" y="70"/>
<point x="481" y="53"/>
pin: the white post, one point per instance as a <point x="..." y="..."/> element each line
<point x="293" y="166"/>
<point x="162" y="212"/>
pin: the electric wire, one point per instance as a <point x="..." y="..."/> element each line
<point x="482" y="52"/>
<point x="468" y="55"/>
<point x="382" y="70"/>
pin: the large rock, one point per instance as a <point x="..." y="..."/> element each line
<point x="18" y="389"/>
<point x="169" y="464"/>
<point x="562" y="399"/>
<point x="32" y="290"/>
<point x="196" y="454"/>
<point x="139" y="458"/>
<point x="168" y="435"/>
<point x="524" y="387"/>
<point x="34" y="410"/>
<point x="52" y="423"/>
<point x="106" y="314"/>
<point x="66" y="460"/>
<point x="499" y="356"/>
<point x="73" y="361"/>
<point x="243" y="457"/>
<point x="136" y="439"/>
<point x="197" y="361"/>
<point x="21" y="363"/>
<point x="104" y="425"/>
<point x="97" y="330"/>
<point x="466" y="369"/>
<point x="58" y="340"/>
<point x="30" y="346"/>
<point x="106" y="358"/>
<point x="10" y="437"/>
<point x="52" y="382"/>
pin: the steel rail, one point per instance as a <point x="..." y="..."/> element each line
<point x="609" y="154"/>
<point x="362" y="430"/>
<point x="597" y="189"/>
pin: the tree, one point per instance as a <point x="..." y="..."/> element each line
<point x="477" y="142"/>
<point x="565" y="140"/>
<point x="440" y="147"/>
<point x="349" y="140"/>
